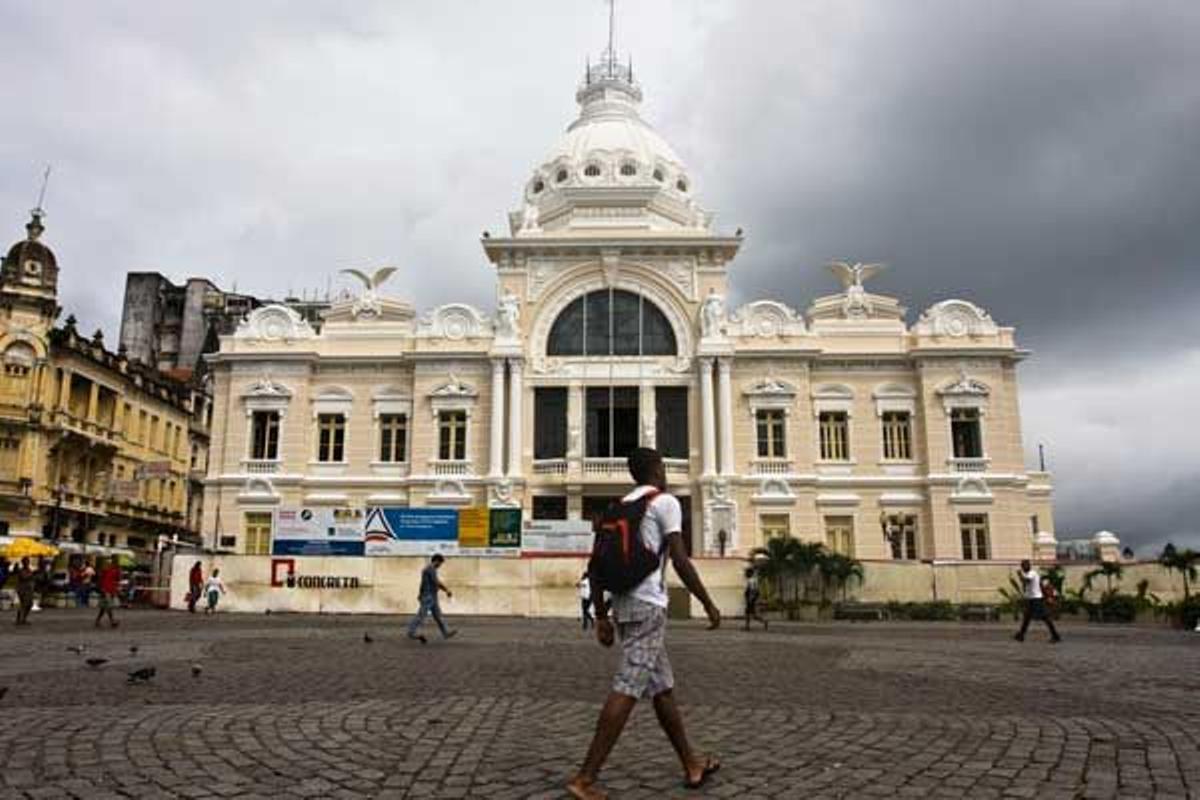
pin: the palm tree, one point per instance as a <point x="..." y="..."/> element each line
<point x="806" y="558"/>
<point x="774" y="562"/>
<point x="1182" y="561"/>
<point x="1109" y="569"/>
<point x="840" y="570"/>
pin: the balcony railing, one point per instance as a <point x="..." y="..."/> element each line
<point x="452" y="468"/>
<point x="771" y="466"/>
<point x="605" y="467"/>
<point x="969" y="464"/>
<point x="676" y="466"/>
<point x="550" y="466"/>
<point x="262" y="466"/>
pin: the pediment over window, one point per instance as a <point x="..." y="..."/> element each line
<point x="965" y="386"/>
<point x="766" y="319"/>
<point x="770" y="387"/>
<point x="832" y="397"/>
<point x="894" y="397"/>
<point x="455" y="322"/>
<point x="454" y="388"/>
<point x="265" y="387"/>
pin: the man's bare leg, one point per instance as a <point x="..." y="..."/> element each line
<point x="671" y="721"/>
<point x="613" y="716"/>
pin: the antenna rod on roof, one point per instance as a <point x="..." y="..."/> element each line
<point x="45" y="183"/>
<point x="612" y="55"/>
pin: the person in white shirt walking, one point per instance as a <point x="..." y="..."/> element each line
<point x="214" y="587"/>
<point x="1035" y="603"/>
<point x="641" y="617"/>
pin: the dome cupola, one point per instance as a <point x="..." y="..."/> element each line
<point x="30" y="266"/>
<point x="610" y="170"/>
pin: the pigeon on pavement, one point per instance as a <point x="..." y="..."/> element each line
<point x="196" y="670"/>
<point x="95" y="663"/>
<point x="133" y="649"/>
<point x="367" y="638"/>
<point x="141" y="675"/>
<point x="77" y="649"/>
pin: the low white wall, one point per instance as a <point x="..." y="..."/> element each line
<point x="545" y="587"/>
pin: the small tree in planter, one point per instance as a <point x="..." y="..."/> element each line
<point x="775" y="563"/>
<point x="839" y="571"/>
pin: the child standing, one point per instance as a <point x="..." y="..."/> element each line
<point x="214" y="587"/>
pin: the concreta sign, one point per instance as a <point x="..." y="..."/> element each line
<point x="318" y="532"/>
<point x="556" y="537"/>
<point x="283" y="573"/>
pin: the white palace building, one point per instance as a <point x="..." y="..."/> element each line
<point x="611" y="330"/>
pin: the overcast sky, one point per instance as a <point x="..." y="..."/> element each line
<point x="1041" y="159"/>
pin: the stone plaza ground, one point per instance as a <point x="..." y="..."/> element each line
<point x="302" y="706"/>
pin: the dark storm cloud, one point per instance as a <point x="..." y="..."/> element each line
<point x="1040" y="159"/>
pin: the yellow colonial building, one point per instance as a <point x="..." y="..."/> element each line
<point x="95" y="452"/>
<point x="847" y="422"/>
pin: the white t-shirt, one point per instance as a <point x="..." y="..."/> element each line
<point x="663" y="517"/>
<point x="214" y="585"/>
<point x="1033" y="584"/>
<point x="585" y="589"/>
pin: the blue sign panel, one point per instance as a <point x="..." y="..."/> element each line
<point x="411" y="531"/>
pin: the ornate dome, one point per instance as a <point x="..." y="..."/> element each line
<point x="30" y="265"/>
<point x="609" y="148"/>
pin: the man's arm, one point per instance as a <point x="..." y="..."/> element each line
<point x="445" y="588"/>
<point x="691" y="579"/>
<point x="604" y="630"/>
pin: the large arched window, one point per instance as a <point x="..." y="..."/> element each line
<point x="611" y="322"/>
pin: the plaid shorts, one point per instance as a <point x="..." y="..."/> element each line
<point x="645" y="670"/>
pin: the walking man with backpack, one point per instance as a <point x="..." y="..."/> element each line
<point x="634" y="537"/>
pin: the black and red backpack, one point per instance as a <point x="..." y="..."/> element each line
<point x="620" y="559"/>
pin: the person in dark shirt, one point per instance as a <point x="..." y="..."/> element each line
<point x="195" y="586"/>
<point x="427" y="597"/>
<point x="26" y="581"/>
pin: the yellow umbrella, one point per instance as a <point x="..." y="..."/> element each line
<point x="24" y="547"/>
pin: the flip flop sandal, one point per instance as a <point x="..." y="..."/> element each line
<point x="711" y="765"/>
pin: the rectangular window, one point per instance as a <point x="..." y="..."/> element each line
<point x="128" y="420"/>
<point x="965" y="433"/>
<point x="902" y="534"/>
<point x="839" y="535"/>
<point x="897" y="436"/>
<point x="770" y="425"/>
<point x="141" y="428"/>
<point x="152" y="437"/>
<point x="549" y="422"/>
<point x="452" y="435"/>
<point x="974" y="530"/>
<point x="671" y="421"/>
<point x="612" y="421"/>
<point x="258" y="533"/>
<point x="549" y="506"/>
<point x="393" y="438"/>
<point x="331" y="437"/>
<point x="835" y="435"/>
<point x="264" y="435"/>
<point x="772" y="525"/>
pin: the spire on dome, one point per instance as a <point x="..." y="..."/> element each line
<point x="609" y="79"/>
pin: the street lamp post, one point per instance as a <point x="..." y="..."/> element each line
<point x="54" y="519"/>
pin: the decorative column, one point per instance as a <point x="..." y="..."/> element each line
<point x="496" y="446"/>
<point x="64" y="391"/>
<point x="708" y="443"/>
<point x="726" y="406"/>
<point x="514" y="418"/>
<point x="647" y="416"/>
<point x="93" y="410"/>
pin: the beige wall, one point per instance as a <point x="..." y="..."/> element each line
<point x="545" y="587"/>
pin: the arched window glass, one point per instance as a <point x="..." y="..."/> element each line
<point x="611" y="322"/>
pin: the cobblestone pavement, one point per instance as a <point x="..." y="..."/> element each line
<point x="301" y="706"/>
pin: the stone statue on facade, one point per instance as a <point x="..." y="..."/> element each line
<point x="852" y="276"/>
<point x="367" y="304"/>
<point x="712" y="315"/>
<point x="508" y="317"/>
<point x="529" y="219"/>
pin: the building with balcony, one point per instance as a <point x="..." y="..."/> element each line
<point x="845" y="422"/>
<point x="96" y="452"/>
